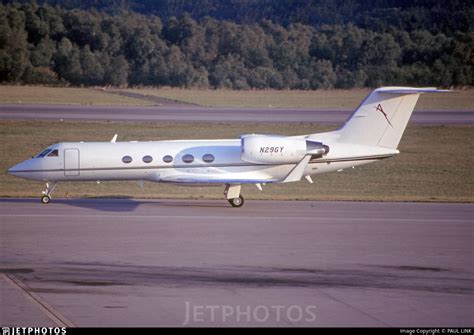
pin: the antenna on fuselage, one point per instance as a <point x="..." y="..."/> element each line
<point x="114" y="139"/>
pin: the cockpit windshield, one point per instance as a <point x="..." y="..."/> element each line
<point x="48" y="153"/>
<point x="54" y="153"/>
<point x="43" y="153"/>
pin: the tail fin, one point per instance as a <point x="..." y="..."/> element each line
<point x="382" y="117"/>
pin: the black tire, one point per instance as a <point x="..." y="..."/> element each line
<point x="237" y="202"/>
<point x="45" y="199"/>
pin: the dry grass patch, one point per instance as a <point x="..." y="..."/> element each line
<point x="63" y="95"/>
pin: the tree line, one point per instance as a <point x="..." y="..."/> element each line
<point x="406" y="45"/>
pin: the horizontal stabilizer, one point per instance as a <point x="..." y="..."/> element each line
<point x="410" y="90"/>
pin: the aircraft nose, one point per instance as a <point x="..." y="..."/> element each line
<point x="14" y="170"/>
<point x="29" y="169"/>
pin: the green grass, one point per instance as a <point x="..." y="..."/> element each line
<point x="63" y="95"/>
<point x="321" y="99"/>
<point x="435" y="164"/>
<point x="326" y="100"/>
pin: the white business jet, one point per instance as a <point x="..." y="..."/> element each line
<point x="371" y="133"/>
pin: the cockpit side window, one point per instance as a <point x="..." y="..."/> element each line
<point x="43" y="153"/>
<point x="54" y="153"/>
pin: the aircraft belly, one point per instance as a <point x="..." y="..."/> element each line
<point x="36" y="175"/>
<point x="244" y="173"/>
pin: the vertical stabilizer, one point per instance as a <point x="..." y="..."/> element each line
<point x="382" y="117"/>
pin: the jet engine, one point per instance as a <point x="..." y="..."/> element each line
<point x="273" y="149"/>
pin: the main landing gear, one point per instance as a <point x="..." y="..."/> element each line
<point x="236" y="202"/>
<point x="232" y="194"/>
<point x="46" y="198"/>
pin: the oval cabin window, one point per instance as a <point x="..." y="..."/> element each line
<point x="208" y="158"/>
<point x="126" y="159"/>
<point x="147" y="159"/>
<point x="188" y="158"/>
<point x="167" y="159"/>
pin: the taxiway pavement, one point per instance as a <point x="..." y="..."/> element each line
<point x="125" y="262"/>
<point x="208" y="114"/>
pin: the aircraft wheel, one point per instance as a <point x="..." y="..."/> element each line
<point x="45" y="199"/>
<point x="237" y="202"/>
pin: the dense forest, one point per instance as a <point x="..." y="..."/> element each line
<point x="239" y="44"/>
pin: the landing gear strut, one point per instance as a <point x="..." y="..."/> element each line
<point x="232" y="194"/>
<point x="46" y="198"/>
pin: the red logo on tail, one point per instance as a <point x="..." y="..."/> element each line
<point x="380" y="109"/>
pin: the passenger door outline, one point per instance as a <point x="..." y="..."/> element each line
<point x="71" y="162"/>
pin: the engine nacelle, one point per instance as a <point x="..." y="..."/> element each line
<point x="268" y="149"/>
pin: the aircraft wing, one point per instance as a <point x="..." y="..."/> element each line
<point x="294" y="175"/>
<point x="216" y="179"/>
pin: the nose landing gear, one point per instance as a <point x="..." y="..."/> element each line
<point x="46" y="198"/>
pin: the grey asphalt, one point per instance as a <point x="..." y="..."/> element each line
<point x="202" y="114"/>
<point x="124" y="262"/>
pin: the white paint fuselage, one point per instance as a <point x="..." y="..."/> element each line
<point x="97" y="161"/>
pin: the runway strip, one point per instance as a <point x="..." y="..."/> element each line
<point x="203" y="114"/>
<point x="124" y="262"/>
<point x="236" y="218"/>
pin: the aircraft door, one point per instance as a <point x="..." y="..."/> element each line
<point x="71" y="162"/>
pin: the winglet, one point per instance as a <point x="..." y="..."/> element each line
<point x="297" y="173"/>
<point x="114" y="139"/>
